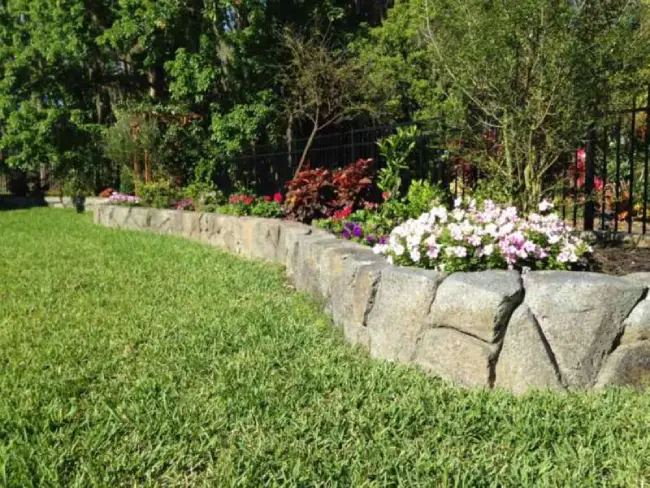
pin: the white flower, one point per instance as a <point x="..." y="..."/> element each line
<point x="398" y="249"/>
<point x="545" y="206"/>
<point x="433" y="252"/>
<point x="415" y="255"/>
<point x="456" y="232"/>
<point x="474" y="241"/>
<point x="487" y="250"/>
<point x="380" y="249"/>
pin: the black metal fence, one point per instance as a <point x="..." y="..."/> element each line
<point x="269" y="167"/>
<point x="606" y="183"/>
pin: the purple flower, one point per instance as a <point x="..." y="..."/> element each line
<point x="346" y="234"/>
<point x="349" y="226"/>
<point x="383" y="240"/>
<point x="357" y="231"/>
<point x="370" y="239"/>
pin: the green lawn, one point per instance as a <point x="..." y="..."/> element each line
<point x="134" y="359"/>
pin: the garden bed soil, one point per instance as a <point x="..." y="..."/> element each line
<point x="621" y="261"/>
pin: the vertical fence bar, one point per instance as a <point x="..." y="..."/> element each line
<point x="590" y="172"/>
<point x="617" y="187"/>
<point x="630" y="206"/>
<point x="603" y="207"/>
<point x="352" y="145"/>
<point x="645" y="162"/>
<point x="575" y="190"/>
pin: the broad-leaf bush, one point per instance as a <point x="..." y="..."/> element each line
<point x="469" y="238"/>
<point x="318" y="193"/>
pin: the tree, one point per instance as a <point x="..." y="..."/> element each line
<point x="534" y="72"/>
<point x="321" y="86"/>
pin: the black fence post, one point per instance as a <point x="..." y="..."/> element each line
<point x="590" y="173"/>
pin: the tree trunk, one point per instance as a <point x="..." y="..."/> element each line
<point x="310" y="141"/>
<point x="289" y="139"/>
<point x="136" y="166"/>
<point x="147" y="167"/>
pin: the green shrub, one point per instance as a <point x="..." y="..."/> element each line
<point x="159" y="194"/>
<point x="421" y="196"/>
<point x="396" y="151"/>
<point x="127" y="185"/>
<point x="203" y="195"/>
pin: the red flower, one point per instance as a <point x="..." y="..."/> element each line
<point x="341" y="214"/>
<point x="385" y="195"/>
<point x="277" y="197"/>
<point x="267" y="198"/>
<point x="248" y="200"/>
<point x="234" y="199"/>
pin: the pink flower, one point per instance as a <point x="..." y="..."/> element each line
<point x="277" y="197"/>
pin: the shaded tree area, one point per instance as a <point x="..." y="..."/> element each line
<point x="127" y="90"/>
<point x="69" y="68"/>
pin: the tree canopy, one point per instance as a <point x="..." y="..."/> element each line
<point x="69" y="69"/>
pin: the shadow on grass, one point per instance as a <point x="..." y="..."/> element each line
<point x="11" y="202"/>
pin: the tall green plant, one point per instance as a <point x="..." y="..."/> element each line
<point x="396" y="150"/>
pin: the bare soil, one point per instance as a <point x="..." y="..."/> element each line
<point x="621" y="260"/>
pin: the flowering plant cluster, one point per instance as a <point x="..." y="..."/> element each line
<point x="184" y="204"/>
<point x="122" y="199"/>
<point x="468" y="239"/>
<point x="267" y="206"/>
<point x="106" y="192"/>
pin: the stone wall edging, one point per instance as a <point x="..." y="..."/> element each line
<point x="547" y="329"/>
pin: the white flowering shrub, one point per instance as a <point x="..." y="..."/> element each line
<point x="469" y="238"/>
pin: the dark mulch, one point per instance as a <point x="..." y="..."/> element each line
<point x="621" y="260"/>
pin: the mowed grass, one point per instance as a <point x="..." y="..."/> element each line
<point x="130" y="359"/>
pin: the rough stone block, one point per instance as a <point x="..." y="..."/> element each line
<point x="191" y="225"/>
<point x="455" y="356"/>
<point x="628" y="365"/>
<point x="580" y="315"/>
<point x="166" y="222"/>
<point x="305" y="267"/>
<point x="642" y="278"/>
<point x="524" y="361"/>
<point x="637" y="324"/>
<point x="98" y="215"/>
<point x="401" y="312"/>
<point x="117" y="217"/>
<point x="139" y="218"/>
<point x="479" y="304"/>
<point x="348" y="294"/>
<point x="260" y="238"/>
<point x="337" y="266"/>
<point x="290" y="232"/>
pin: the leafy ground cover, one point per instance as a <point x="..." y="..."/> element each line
<point x="141" y="360"/>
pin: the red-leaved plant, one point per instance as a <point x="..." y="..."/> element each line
<point x="318" y="193"/>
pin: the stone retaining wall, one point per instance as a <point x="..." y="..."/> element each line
<point x="547" y="329"/>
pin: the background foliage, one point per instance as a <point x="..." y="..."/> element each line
<point x="222" y="77"/>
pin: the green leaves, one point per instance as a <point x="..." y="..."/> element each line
<point x="396" y="150"/>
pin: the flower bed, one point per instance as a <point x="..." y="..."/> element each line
<point x="472" y="238"/>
